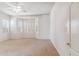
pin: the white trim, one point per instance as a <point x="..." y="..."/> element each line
<point x="55" y="47"/>
<point x="73" y="52"/>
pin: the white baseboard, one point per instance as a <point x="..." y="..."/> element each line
<point x="55" y="46"/>
<point x="42" y="38"/>
<point x="73" y="53"/>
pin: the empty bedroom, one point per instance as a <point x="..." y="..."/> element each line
<point x="39" y="29"/>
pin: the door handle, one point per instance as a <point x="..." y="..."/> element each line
<point x="68" y="44"/>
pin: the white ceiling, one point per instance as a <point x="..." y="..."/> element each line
<point x="29" y="8"/>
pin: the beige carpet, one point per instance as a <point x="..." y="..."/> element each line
<point x="27" y="47"/>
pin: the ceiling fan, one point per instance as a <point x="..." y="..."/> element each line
<point x="16" y="7"/>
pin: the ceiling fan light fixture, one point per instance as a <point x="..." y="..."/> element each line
<point x="17" y="9"/>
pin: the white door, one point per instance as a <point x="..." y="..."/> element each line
<point x="75" y="29"/>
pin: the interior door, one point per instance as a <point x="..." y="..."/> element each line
<point x="75" y="29"/>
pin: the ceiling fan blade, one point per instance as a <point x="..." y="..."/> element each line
<point x="9" y="4"/>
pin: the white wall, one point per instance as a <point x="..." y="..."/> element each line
<point x="58" y="30"/>
<point x="3" y="34"/>
<point x="3" y="15"/>
<point x="75" y="29"/>
<point x="44" y="26"/>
